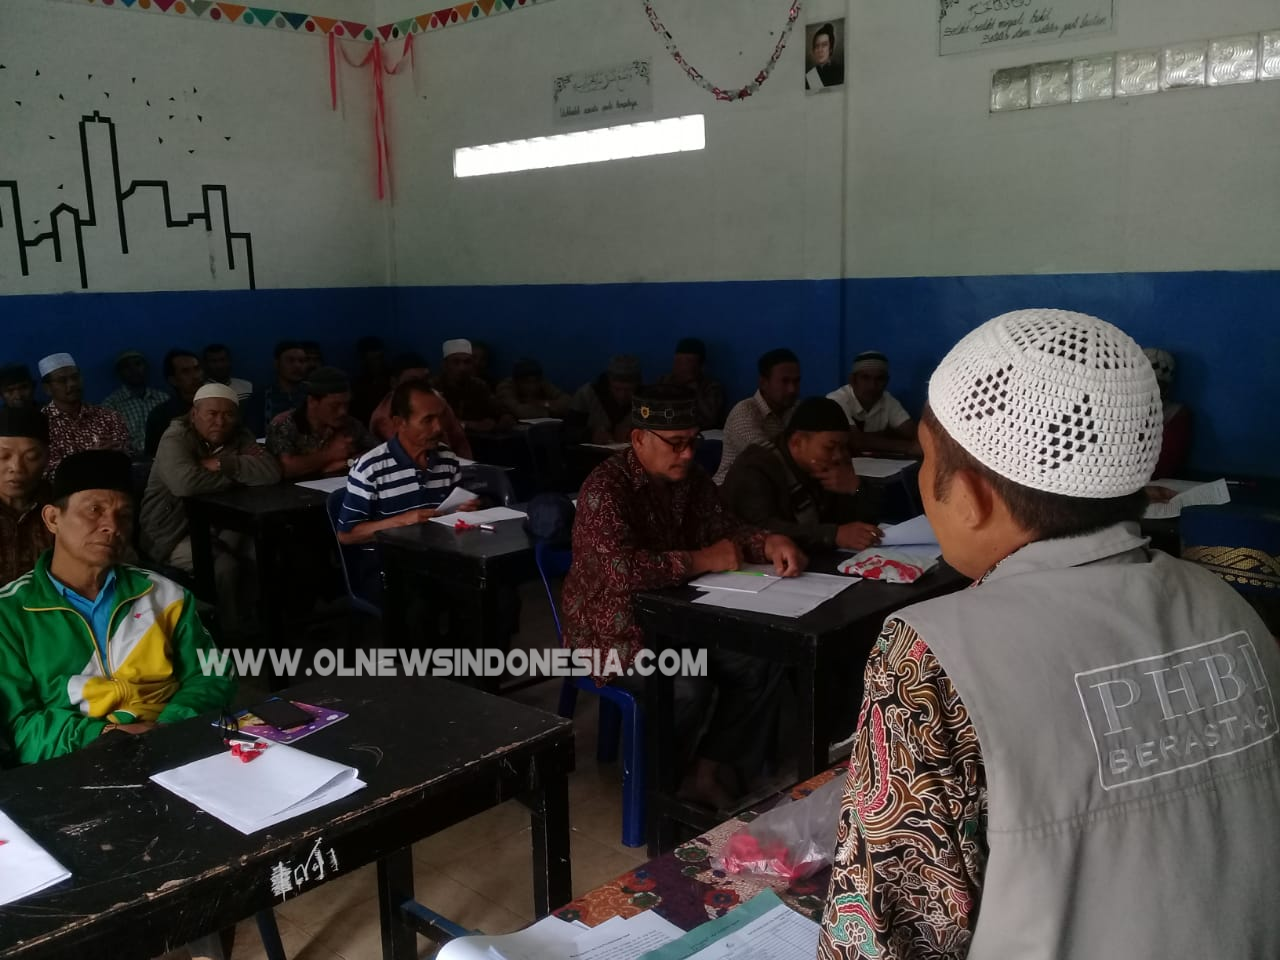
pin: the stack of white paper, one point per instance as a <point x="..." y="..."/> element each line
<point x="25" y="868"/>
<point x="915" y="532"/>
<point x="326" y="485"/>
<point x="752" y="578"/>
<point x="281" y="783"/>
<point x="477" y="517"/>
<point x="780" y="596"/>
<point x="911" y="542"/>
<point x="880" y="466"/>
<point x="1189" y="493"/>
<point x="554" y="939"/>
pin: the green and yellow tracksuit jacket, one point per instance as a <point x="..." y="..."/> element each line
<point x="57" y="692"/>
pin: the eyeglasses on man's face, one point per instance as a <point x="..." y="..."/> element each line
<point x="680" y="444"/>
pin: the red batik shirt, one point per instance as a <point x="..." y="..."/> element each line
<point x="94" y="428"/>
<point x="635" y="533"/>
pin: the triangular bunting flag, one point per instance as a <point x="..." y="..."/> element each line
<point x="463" y="10"/>
<point x="486" y="6"/>
<point x="353" y="29"/>
<point x="263" y="15"/>
<point x="405" y="27"/>
<point x="200" y="6"/>
<point x="445" y="16"/>
<point x="165" y="4"/>
<point x="324" y="23"/>
<point x="295" y="20"/>
<point x="423" y="21"/>
<point x="232" y="11"/>
<point x="128" y="3"/>
<point x="385" y="30"/>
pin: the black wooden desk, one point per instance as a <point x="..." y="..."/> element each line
<point x="469" y="566"/>
<point x="268" y="515"/>
<point x="838" y="634"/>
<point x="151" y="872"/>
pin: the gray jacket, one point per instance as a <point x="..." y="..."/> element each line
<point x="178" y="472"/>
<point x="1124" y="703"/>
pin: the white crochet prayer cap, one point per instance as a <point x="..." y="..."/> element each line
<point x="216" y="391"/>
<point x="456" y="346"/>
<point x="1053" y="400"/>
<point x="55" y="361"/>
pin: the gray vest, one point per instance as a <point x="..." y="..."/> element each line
<point x="1124" y="702"/>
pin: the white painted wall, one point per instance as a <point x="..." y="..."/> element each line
<point x="763" y="200"/>
<point x="904" y="174"/>
<point x="299" y="177"/>
<point x="1184" y="180"/>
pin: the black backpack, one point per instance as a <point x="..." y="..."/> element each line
<point x="550" y="519"/>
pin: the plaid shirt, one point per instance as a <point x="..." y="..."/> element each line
<point x="633" y="533"/>
<point x="23" y="537"/>
<point x="135" y="409"/>
<point x="750" y="421"/>
<point x="91" y="428"/>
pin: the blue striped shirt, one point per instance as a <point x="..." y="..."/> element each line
<point x="386" y="482"/>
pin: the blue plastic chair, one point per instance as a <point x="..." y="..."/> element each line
<point x="618" y="709"/>
<point x="333" y="506"/>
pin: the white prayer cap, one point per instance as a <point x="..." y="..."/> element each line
<point x="456" y="346"/>
<point x="55" y="361"/>
<point x="1053" y="400"/>
<point x="216" y="391"/>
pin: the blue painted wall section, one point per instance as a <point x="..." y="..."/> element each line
<point x="1223" y="328"/>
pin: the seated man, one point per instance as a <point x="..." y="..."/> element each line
<point x="761" y="417"/>
<point x="73" y="424"/>
<point x="216" y="361"/>
<point x="185" y="375"/>
<point x="606" y="401"/>
<point x="91" y="646"/>
<point x="466" y="393"/>
<point x="650" y="517"/>
<point x="314" y="355"/>
<point x="16" y="385"/>
<point x="320" y="437"/>
<point x="24" y="440"/>
<point x="689" y="369"/>
<point x="286" y="393"/>
<point x="1177" y="420"/>
<point x="398" y="483"/>
<point x="877" y="422"/>
<point x="134" y="400"/>
<point x="1049" y="759"/>
<point x="804" y="486"/>
<point x="411" y="366"/>
<point x="203" y="452"/>
<point x="528" y="395"/>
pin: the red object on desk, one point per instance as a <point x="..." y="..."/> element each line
<point x="248" y="752"/>
<point x="461" y="526"/>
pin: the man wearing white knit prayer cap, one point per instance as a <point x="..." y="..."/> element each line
<point x="1077" y="757"/>
<point x="468" y="395"/>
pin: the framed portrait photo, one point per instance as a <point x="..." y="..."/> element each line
<point x="824" y="56"/>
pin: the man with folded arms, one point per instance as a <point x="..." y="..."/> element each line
<point x="90" y="646"/>
<point x="320" y="436"/>
<point x="205" y="452"/>
<point x="1077" y="757"/>
<point x="650" y="517"/>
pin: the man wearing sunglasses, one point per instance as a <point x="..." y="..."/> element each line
<point x="648" y="518"/>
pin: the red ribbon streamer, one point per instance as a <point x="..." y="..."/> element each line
<point x="381" y="144"/>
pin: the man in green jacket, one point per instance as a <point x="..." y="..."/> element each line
<point x="90" y="646"/>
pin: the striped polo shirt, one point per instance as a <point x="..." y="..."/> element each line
<point x="386" y="482"/>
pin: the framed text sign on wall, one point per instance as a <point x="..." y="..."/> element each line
<point x="600" y="96"/>
<point x="968" y="25"/>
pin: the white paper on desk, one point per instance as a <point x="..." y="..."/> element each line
<point x="325" y="485"/>
<point x="777" y="603"/>
<point x="476" y="517"/>
<point x="822" y="586"/>
<point x="880" y="466"/>
<point x="1195" y="495"/>
<point x="281" y="783"/>
<point x="915" y="532"/>
<point x="25" y="867"/>
<point x="779" y="934"/>
<point x="464" y="462"/>
<point x="456" y="498"/>
<point x="549" y="938"/>
<point x="607" y="446"/>
<point x="618" y="939"/>
<point x="751" y="578"/>
<point x="537" y="420"/>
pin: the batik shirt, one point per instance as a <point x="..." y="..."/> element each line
<point x="290" y="434"/>
<point x="635" y="533"/>
<point x="93" y="428"/>
<point x="910" y="843"/>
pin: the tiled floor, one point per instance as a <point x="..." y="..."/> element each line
<point x="478" y="873"/>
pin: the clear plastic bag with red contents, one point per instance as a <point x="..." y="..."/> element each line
<point x="793" y="841"/>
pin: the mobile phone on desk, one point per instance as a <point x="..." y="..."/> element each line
<point x="281" y="714"/>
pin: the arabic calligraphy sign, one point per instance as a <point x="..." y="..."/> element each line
<point x="606" y="96"/>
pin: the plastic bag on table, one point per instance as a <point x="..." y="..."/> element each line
<point x="793" y="841"/>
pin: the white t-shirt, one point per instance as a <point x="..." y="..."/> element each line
<point x="887" y="413"/>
